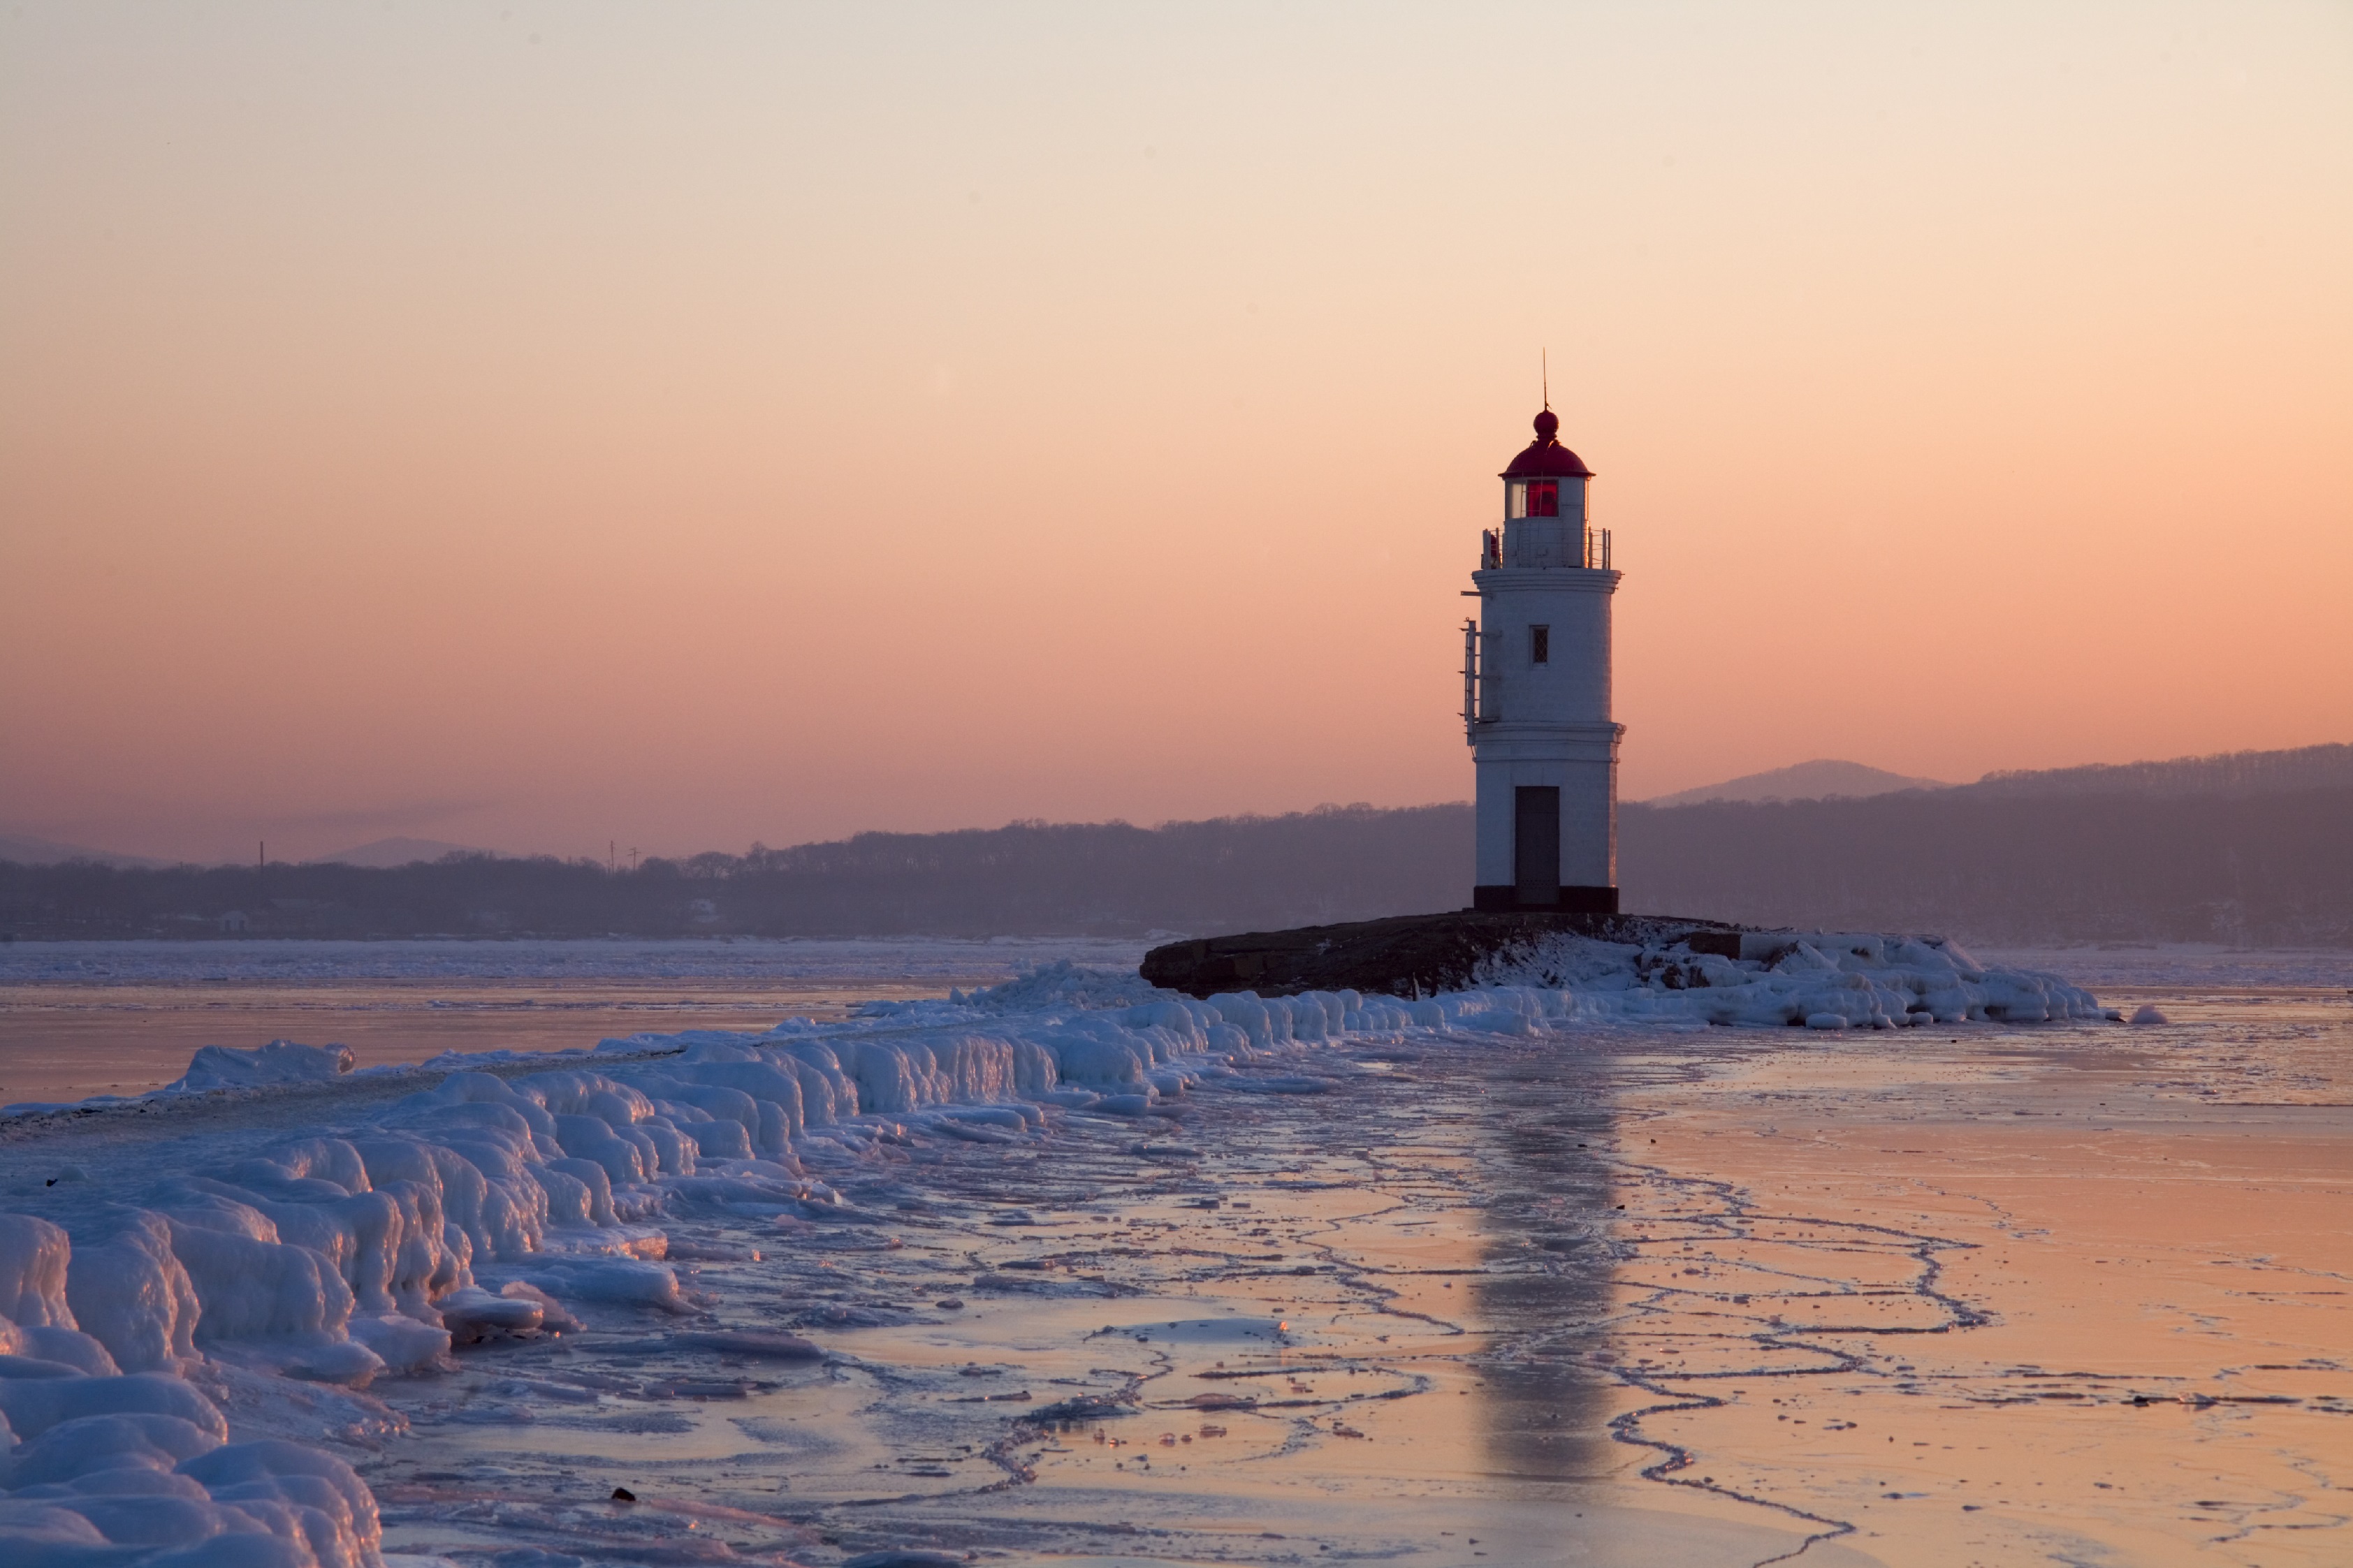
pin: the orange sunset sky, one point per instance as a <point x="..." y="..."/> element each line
<point x="532" y="424"/>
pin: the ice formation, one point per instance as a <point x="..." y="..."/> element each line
<point x="1822" y="980"/>
<point x="498" y="1205"/>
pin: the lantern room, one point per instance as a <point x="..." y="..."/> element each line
<point x="1548" y="480"/>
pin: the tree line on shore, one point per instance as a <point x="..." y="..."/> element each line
<point x="2236" y="864"/>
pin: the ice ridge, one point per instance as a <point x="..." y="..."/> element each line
<point x="497" y="1205"/>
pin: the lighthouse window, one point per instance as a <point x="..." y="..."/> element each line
<point x="1534" y="497"/>
<point x="1540" y="644"/>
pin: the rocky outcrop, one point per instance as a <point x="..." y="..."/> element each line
<point x="1405" y="956"/>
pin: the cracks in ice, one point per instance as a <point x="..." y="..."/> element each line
<point x="921" y="1211"/>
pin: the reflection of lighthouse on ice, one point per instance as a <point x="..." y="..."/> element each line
<point x="1535" y="692"/>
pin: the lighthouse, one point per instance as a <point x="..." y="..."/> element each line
<point x="1535" y="692"/>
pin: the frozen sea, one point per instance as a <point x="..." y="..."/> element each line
<point x="78" y="1018"/>
<point x="1517" y="1280"/>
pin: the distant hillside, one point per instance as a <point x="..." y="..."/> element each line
<point x="395" y="852"/>
<point x="2237" y="848"/>
<point x="1233" y="873"/>
<point x="2248" y="846"/>
<point x="1817" y="779"/>
<point x="2228" y="774"/>
<point x="2268" y="870"/>
<point x="30" y="851"/>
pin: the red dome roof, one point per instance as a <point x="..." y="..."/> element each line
<point x="1545" y="457"/>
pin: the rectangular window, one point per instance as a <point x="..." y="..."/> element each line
<point x="1543" y="498"/>
<point x="1516" y="501"/>
<point x="1540" y="644"/>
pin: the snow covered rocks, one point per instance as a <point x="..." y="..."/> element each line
<point x="1631" y="968"/>
<point x="1818" y="980"/>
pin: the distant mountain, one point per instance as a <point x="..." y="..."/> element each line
<point x="28" y="851"/>
<point x="1819" y="780"/>
<point x="2252" y="850"/>
<point x="2228" y="774"/>
<point x="385" y="852"/>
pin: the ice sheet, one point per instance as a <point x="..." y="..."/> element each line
<point x="2126" y="967"/>
<point x="421" y="1208"/>
<point x="83" y="1018"/>
<point x="277" y="961"/>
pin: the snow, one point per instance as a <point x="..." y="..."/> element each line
<point x="1823" y="980"/>
<point x="512" y="1203"/>
<point x="279" y="1061"/>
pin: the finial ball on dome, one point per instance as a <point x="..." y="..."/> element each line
<point x="1545" y="457"/>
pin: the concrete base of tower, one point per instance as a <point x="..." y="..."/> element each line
<point x="1573" y="901"/>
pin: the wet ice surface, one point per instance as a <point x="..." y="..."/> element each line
<point x="1603" y="1295"/>
<point x="2075" y="1294"/>
<point x="831" y="960"/>
<point x="2193" y="967"/>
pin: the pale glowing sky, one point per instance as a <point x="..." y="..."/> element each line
<point x="689" y="424"/>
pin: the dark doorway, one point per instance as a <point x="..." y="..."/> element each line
<point x="1536" y="844"/>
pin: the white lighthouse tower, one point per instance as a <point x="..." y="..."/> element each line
<point x="1535" y="692"/>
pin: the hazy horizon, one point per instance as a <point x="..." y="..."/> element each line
<point x="689" y="425"/>
<point x="2215" y="777"/>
